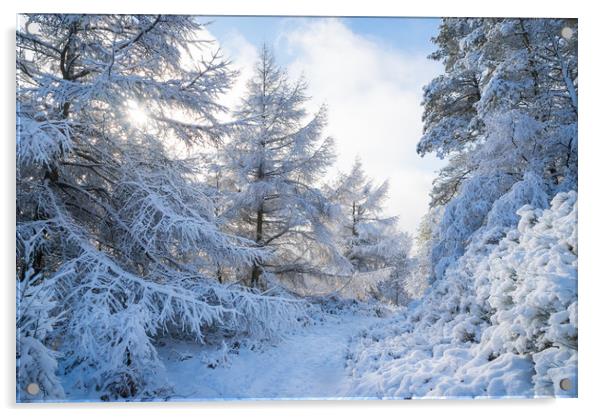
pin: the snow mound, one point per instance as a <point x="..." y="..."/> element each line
<point x="501" y="322"/>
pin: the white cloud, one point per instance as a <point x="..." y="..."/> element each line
<point x="373" y="94"/>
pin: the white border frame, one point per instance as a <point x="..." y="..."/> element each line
<point x="590" y="24"/>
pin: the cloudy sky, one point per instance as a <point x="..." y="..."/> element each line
<point x="370" y="73"/>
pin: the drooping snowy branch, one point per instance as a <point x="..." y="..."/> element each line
<point x="118" y="232"/>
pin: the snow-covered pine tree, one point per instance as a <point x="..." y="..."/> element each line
<point x="369" y="239"/>
<point x="424" y="240"/>
<point x="505" y="111"/>
<point x="367" y="236"/>
<point x="278" y="156"/>
<point x="114" y="229"/>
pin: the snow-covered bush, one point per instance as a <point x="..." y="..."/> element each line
<point x="501" y="322"/>
<point x="533" y="293"/>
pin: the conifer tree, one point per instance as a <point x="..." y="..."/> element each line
<point x="278" y="156"/>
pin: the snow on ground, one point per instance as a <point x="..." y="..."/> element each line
<point x="310" y="363"/>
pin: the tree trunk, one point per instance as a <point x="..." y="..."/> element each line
<point x="219" y="274"/>
<point x="256" y="272"/>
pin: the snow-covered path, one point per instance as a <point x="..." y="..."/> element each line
<point x="307" y="364"/>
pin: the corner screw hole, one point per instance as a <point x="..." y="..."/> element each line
<point x="33" y="389"/>
<point x="565" y="384"/>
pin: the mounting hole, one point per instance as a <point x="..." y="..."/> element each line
<point x="565" y="384"/>
<point x="33" y="389"/>
<point x="566" y="33"/>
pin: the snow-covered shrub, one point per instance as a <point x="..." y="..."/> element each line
<point x="533" y="293"/>
<point x="463" y="216"/>
<point x="338" y="306"/>
<point x="501" y="322"/>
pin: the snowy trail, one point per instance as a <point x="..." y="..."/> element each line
<point x="307" y="364"/>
